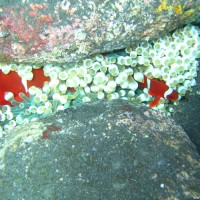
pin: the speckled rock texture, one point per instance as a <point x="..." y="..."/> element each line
<point x="104" y="150"/>
<point x="187" y="114"/>
<point x="65" y="31"/>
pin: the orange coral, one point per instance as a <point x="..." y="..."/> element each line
<point x="177" y="9"/>
<point x="46" y="19"/>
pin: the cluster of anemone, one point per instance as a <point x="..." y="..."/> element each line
<point x="170" y="58"/>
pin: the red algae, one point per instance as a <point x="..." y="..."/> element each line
<point x="26" y="30"/>
<point x="50" y="128"/>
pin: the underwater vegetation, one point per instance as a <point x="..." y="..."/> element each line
<point x="157" y="73"/>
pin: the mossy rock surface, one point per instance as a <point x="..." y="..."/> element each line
<point x="104" y="150"/>
<point x="60" y="32"/>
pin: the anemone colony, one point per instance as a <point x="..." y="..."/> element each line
<point x="167" y="61"/>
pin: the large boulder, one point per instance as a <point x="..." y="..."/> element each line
<point x="187" y="113"/>
<point x="66" y="31"/>
<point x="104" y="150"/>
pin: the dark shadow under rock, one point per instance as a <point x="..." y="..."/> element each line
<point x="187" y="114"/>
<point x="105" y="150"/>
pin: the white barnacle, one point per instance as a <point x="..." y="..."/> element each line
<point x="112" y="84"/>
<point x="140" y="60"/>
<point x="7" y="127"/>
<point x="40" y="110"/>
<point x="96" y="66"/>
<point x="86" y="99"/>
<point x="88" y="78"/>
<point x="165" y="76"/>
<point x="124" y="85"/>
<point x="6" y="69"/>
<point x="157" y="61"/>
<point x="63" y="75"/>
<point x="87" y="63"/>
<point x="94" y="88"/>
<point x="72" y="72"/>
<point x="156" y="73"/>
<point x="2" y="117"/>
<point x="112" y="59"/>
<point x="182" y="90"/>
<point x="157" y="46"/>
<point x="37" y="99"/>
<point x="19" y="119"/>
<point x="132" y="84"/>
<point x="142" y="98"/>
<point x="99" y="57"/>
<point x="152" y="53"/>
<point x="87" y="90"/>
<point x="108" y="89"/>
<point x="81" y="71"/>
<point x="146" y="62"/>
<point x="63" y="88"/>
<point x="128" y="49"/>
<point x="33" y="109"/>
<point x="92" y="72"/>
<point x="82" y="83"/>
<point x="113" y="69"/>
<point x="110" y="96"/>
<point x="121" y="60"/>
<point x="99" y="78"/>
<point x="139" y="76"/>
<point x="180" y="78"/>
<point x="122" y="93"/>
<point x="133" y="54"/>
<point x="131" y="94"/>
<point x="127" y="60"/>
<point x="171" y="83"/>
<point x="12" y="123"/>
<point x="188" y="75"/>
<point x="9" y="116"/>
<point x="100" y="95"/>
<point x="139" y="50"/>
<point x="9" y="96"/>
<point x="123" y="77"/>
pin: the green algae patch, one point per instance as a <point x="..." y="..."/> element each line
<point x="165" y="6"/>
<point x="19" y="137"/>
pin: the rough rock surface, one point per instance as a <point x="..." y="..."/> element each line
<point x="187" y="114"/>
<point x="39" y="32"/>
<point x="105" y="150"/>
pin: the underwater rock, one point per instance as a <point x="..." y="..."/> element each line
<point x="187" y="114"/>
<point x="101" y="150"/>
<point x="63" y="31"/>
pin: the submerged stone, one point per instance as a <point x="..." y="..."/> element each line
<point x="60" y="32"/>
<point x="101" y="150"/>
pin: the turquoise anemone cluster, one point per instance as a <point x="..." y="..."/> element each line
<point x="170" y="58"/>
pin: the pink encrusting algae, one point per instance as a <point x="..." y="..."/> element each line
<point x="22" y="31"/>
